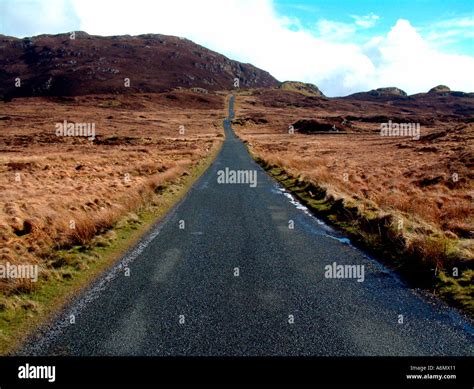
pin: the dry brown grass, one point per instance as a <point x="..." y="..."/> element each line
<point x="411" y="180"/>
<point x="59" y="192"/>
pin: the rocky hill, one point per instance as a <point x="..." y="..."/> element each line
<point x="58" y="65"/>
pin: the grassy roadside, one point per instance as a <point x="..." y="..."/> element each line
<point x="437" y="266"/>
<point x="79" y="266"/>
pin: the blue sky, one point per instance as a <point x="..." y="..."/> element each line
<point x="428" y="16"/>
<point x="340" y="45"/>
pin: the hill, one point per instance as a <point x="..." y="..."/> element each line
<point x="58" y="65"/>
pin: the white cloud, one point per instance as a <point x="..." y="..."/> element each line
<point x="450" y="31"/>
<point x="366" y="21"/>
<point x="327" y="29"/>
<point x="404" y="59"/>
<point x="31" y="17"/>
<point x="457" y="22"/>
<point x="251" y="31"/>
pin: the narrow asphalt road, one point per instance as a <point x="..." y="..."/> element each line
<point x="237" y="280"/>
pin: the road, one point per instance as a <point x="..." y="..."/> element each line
<point x="237" y="280"/>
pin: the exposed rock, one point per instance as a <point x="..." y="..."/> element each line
<point x="252" y="119"/>
<point x="390" y="91"/>
<point x="380" y="94"/>
<point x="301" y="87"/>
<point x="440" y="89"/>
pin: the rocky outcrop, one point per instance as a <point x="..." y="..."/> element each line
<point x="303" y="88"/>
<point x="440" y="89"/>
<point x="389" y="93"/>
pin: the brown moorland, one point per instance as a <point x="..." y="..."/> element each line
<point x="411" y="200"/>
<point x="57" y="192"/>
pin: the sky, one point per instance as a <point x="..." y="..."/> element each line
<point x="342" y="46"/>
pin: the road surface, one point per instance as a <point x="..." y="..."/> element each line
<point x="237" y="280"/>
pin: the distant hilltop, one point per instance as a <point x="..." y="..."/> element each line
<point x="393" y="93"/>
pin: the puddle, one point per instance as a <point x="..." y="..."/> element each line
<point x="329" y="231"/>
<point x="372" y="264"/>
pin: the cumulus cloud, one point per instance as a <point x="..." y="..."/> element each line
<point x="404" y="59"/>
<point x="252" y="31"/>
